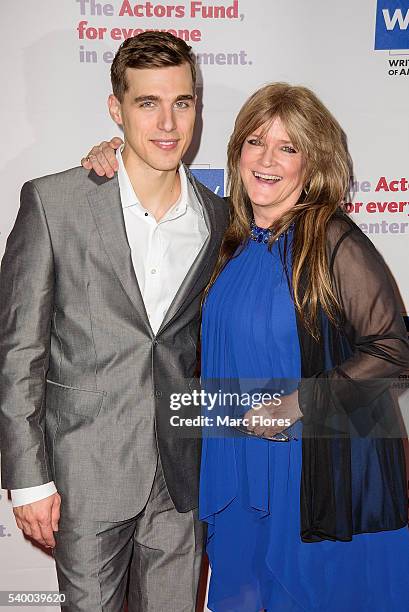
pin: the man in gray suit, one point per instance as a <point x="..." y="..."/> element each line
<point x="100" y="295"/>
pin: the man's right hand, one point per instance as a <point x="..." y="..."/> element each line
<point x="102" y="158"/>
<point x="39" y="519"/>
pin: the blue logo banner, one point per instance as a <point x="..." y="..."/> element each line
<point x="213" y="178"/>
<point x="392" y="24"/>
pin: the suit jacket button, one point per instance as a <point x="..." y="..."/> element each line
<point x="158" y="394"/>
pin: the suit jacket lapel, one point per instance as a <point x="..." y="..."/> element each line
<point x="203" y="259"/>
<point x="106" y="208"/>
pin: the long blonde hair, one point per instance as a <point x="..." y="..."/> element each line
<point x="318" y="136"/>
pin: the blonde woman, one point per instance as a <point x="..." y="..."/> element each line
<point x="312" y="516"/>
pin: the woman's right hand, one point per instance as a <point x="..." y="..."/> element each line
<point x="102" y="158"/>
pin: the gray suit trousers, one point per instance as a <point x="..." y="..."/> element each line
<point x="159" y="551"/>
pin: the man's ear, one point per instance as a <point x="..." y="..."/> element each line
<point x="114" y="107"/>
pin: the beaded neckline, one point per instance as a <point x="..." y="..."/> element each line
<point x="260" y="234"/>
<point x="263" y="234"/>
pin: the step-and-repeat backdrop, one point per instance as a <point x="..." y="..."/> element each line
<point x="55" y="59"/>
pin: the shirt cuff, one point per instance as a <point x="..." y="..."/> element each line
<point x="20" y="497"/>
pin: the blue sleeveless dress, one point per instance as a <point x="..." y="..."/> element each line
<point x="250" y="488"/>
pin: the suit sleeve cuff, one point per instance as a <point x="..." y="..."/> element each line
<point x="20" y="497"/>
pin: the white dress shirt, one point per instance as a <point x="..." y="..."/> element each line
<point x="162" y="254"/>
<point x="162" y="251"/>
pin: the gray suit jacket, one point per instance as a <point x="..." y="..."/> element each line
<point x="84" y="382"/>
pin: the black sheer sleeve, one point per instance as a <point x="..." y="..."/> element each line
<point x="370" y="344"/>
<point x="372" y="322"/>
<point x="353" y="470"/>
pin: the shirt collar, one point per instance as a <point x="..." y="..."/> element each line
<point x="130" y="199"/>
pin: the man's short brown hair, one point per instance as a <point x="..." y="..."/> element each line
<point x="149" y="50"/>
